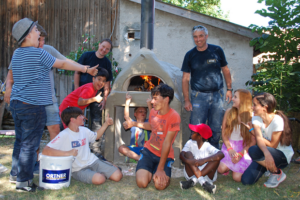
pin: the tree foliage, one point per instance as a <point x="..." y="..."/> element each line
<point x="207" y="7"/>
<point x="280" y="75"/>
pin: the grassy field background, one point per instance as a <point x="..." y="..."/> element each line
<point x="127" y="189"/>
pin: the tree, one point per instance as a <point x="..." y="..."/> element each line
<point x="207" y="7"/>
<point x="280" y="75"/>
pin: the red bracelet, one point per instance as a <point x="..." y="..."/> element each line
<point x="241" y="154"/>
<point x="229" y="148"/>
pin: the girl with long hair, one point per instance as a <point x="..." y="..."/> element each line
<point x="236" y="137"/>
<point x="273" y="134"/>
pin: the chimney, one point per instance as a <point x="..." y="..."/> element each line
<point x="147" y="23"/>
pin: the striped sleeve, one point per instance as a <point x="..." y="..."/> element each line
<point x="46" y="59"/>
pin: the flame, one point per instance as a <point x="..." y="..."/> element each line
<point x="148" y="80"/>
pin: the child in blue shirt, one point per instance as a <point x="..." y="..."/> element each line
<point x="138" y="136"/>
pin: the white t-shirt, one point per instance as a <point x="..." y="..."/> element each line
<point x="68" y="140"/>
<point x="205" y="151"/>
<point x="236" y="134"/>
<point x="277" y="124"/>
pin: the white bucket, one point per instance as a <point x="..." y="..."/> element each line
<point x="55" y="172"/>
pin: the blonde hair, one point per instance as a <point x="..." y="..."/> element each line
<point x="244" y="112"/>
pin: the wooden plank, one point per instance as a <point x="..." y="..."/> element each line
<point x="71" y="24"/>
<point x="96" y="20"/>
<point x="92" y="20"/>
<point x="63" y="27"/>
<point x="51" y="23"/>
<point x="42" y="14"/>
<point x="80" y="21"/>
<point x="57" y="27"/>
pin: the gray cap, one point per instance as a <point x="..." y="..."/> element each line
<point x="22" y="28"/>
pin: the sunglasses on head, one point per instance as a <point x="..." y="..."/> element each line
<point x="197" y="27"/>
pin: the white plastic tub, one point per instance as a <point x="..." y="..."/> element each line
<point x="55" y="172"/>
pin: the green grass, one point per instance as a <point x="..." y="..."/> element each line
<point x="127" y="189"/>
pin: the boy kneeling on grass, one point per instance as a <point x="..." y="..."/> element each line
<point x="139" y="136"/>
<point x="74" y="141"/>
<point x="201" y="159"/>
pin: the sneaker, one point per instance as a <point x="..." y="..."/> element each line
<point x="30" y="188"/>
<point x="211" y="188"/>
<point x="13" y="179"/>
<point x="36" y="169"/>
<point x="267" y="173"/>
<point x="2" y="168"/>
<point x="275" y="179"/>
<point x="187" y="184"/>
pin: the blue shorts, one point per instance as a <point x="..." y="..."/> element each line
<point x="136" y="150"/>
<point x="150" y="161"/>
<point x="52" y="113"/>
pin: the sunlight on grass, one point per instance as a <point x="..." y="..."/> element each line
<point x="203" y="193"/>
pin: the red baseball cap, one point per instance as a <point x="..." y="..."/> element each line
<point x="203" y="129"/>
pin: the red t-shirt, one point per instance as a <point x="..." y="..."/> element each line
<point x="86" y="91"/>
<point x="160" y="125"/>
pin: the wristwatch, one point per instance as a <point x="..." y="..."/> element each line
<point x="230" y="89"/>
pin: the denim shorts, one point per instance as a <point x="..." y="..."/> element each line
<point x="52" y="113"/>
<point x="99" y="166"/>
<point x="150" y="161"/>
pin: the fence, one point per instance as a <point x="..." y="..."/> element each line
<point x="65" y="22"/>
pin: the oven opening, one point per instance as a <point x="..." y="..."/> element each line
<point x="143" y="83"/>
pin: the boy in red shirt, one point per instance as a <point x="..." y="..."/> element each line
<point x="158" y="153"/>
<point x="84" y="95"/>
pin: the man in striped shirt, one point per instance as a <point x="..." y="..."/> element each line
<point x="30" y="93"/>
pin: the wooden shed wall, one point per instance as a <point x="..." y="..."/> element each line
<point x="65" y="22"/>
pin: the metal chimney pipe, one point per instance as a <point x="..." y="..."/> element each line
<point x="147" y="23"/>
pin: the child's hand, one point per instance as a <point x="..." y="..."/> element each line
<point x="128" y="98"/>
<point x="128" y="123"/>
<point x="74" y="152"/>
<point x="98" y="98"/>
<point x="92" y="70"/>
<point x="109" y="121"/>
<point x="249" y="125"/>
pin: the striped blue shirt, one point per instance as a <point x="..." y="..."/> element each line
<point x="30" y="67"/>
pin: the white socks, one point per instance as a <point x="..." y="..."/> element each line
<point x="201" y="180"/>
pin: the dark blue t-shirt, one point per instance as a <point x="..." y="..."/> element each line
<point x="205" y="68"/>
<point x="90" y="58"/>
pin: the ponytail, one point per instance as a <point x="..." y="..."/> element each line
<point x="286" y="136"/>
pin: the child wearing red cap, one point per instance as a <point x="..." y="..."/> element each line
<point x="201" y="159"/>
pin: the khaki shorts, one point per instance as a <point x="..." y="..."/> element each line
<point x="99" y="166"/>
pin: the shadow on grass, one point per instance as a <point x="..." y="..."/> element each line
<point x="127" y="188"/>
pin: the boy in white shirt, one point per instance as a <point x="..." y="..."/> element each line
<point x="74" y="141"/>
<point x="201" y="159"/>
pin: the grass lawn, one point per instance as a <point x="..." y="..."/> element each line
<point x="127" y="189"/>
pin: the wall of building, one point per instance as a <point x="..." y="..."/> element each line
<point x="172" y="39"/>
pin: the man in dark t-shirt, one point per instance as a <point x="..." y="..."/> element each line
<point x="93" y="58"/>
<point x="202" y="68"/>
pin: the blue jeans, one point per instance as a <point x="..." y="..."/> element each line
<point x="255" y="170"/>
<point x="208" y="107"/>
<point x="30" y="121"/>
